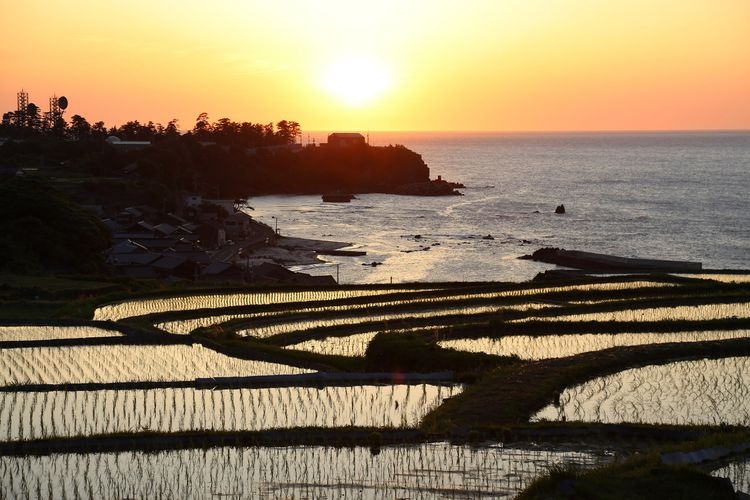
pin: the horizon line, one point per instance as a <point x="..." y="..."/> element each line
<point x="560" y="131"/>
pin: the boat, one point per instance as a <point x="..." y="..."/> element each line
<point x="338" y="197"/>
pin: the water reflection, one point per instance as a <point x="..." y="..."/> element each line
<point x="126" y="363"/>
<point x="308" y="324"/>
<point x="115" y="312"/>
<point x="352" y="345"/>
<point x="701" y="312"/>
<point x="702" y="392"/>
<point x="559" y="346"/>
<point x="432" y="470"/>
<point x="738" y="472"/>
<point x="349" y="316"/>
<point x="36" y="415"/>
<point x="723" y="278"/>
<point x="46" y="332"/>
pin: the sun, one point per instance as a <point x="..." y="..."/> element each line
<point x="356" y="80"/>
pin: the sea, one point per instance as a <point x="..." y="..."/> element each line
<point x="663" y="195"/>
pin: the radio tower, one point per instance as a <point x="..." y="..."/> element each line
<point x="54" y="111"/>
<point x="23" y="103"/>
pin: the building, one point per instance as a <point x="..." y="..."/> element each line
<point x="237" y="226"/>
<point x="346" y="140"/>
<point x="120" y="145"/>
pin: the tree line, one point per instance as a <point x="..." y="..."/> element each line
<point x="30" y="123"/>
<point x="221" y="158"/>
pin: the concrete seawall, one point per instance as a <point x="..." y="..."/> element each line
<point x="602" y="262"/>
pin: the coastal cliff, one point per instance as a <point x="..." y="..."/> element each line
<point x="240" y="172"/>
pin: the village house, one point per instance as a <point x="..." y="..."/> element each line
<point x="346" y="140"/>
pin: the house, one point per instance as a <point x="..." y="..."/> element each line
<point x="134" y="259"/>
<point x="222" y="271"/>
<point x="212" y="235"/>
<point x="129" y="217"/>
<point x="164" y="229"/>
<point x="173" y="265"/>
<point x="227" y="205"/>
<point x="120" y="145"/>
<point x="275" y="273"/>
<point x="127" y="246"/>
<point x="346" y="140"/>
<point x="237" y="226"/>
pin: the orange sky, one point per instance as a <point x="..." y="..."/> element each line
<point x="387" y="65"/>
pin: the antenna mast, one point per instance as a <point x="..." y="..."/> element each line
<point x="23" y="103"/>
<point x="50" y="117"/>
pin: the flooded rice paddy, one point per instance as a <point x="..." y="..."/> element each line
<point x="722" y="278"/>
<point x="701" y="392"/>
<point x="308" y="324"/>
<point x="48" y="332"/>
<point x="349" y="316"/>
<point x="700" y="312"/>
<point x="117" y="311"/>
<point x="352" y="345"/>
<point x="694" y="392"/>
<point x="126" y="363"/>
<point x="128" y="309"/>
<point x="432" y="470"/>
<point x="37" y="415"/>
<point x="738" y="472"/>
<point x="559" y="346"/>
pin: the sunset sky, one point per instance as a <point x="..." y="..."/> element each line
<point x="489" y="65"/>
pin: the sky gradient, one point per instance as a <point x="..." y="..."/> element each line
<point x="479" y="65"/>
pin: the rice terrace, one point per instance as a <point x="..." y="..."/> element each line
<point x="439" y="389"/>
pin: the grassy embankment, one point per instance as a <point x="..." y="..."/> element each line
<point x="641" y="476"/>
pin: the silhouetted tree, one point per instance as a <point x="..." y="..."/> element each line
<point x="202" y="127"/>
<point x="288" y="131"/>
<point x="172" y="130"/>
<point x="44" y="229"/>
<point x="59" y="126"/>
<point x="251" y="134"/>
<point x="99" y="130"/>
<point x="33" y="118"/>
<point x="226" y="131"/>
<point x="135" y="131"/>
<point x="268" y="133"/>
<point x="79" y="127"/>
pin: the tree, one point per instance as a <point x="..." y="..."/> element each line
<point x="79" y="127"/>
<point x="202" y="126"/>
<point x="99" y="130"/>
<point x="288" y="131"/>
<point x="251" y="134"/>
<point x="43" y="229"/>
<point x="172" y="130"/>
<point x="8" y="123"/>
<point x="268" y="133"/>
<point x="59" y="126"/>
<point x="226" y="131"/>
<point x="33" y="118"/>
<point x="135" y="131"/>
